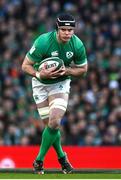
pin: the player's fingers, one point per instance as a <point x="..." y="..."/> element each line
<point x="49" y="70"/>
<point x="59" y="70"/>
<point x="58" y="74"/>
<point x="62" y="73"/>
<point x="52" y="69"/>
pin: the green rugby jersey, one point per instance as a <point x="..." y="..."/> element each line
<point x="46" y="45"/>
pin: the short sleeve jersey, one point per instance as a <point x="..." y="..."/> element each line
<point x="46" y="45"/>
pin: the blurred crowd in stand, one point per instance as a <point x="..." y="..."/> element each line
<point x="94" y="111"/>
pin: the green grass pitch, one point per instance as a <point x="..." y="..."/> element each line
<point x="60" y="176"/>
<point x="57" y="174"/>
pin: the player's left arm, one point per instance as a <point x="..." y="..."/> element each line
<point x="76" y="71"/>
<point x="80" y="63"/>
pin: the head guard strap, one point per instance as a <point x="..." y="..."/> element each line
<point x="65" y="19"/>
<point x="65" y="23"/>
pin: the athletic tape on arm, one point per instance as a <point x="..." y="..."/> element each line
<point x="59" y="103"/>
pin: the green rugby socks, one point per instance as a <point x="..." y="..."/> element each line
<point x="48" y="138"/>
<point x="57" y="145"/>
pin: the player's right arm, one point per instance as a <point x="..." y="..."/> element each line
<point x="27" y="66"/>
<point x="35" y="55"/>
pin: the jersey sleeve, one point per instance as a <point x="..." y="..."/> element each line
<point x="35" y="53"/>
<point x="81" y="57"/>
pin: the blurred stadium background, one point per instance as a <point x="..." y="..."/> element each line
<point x="93" y="117"/>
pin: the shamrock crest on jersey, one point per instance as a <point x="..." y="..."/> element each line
<point x="69" y="54"/>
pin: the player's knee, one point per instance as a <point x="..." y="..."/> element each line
<point x="45" y="121"/>
<point x="54" y="124"/>
<point x="44" y="113"/>
<point x="57" y="110"/>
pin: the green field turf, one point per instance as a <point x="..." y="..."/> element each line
<point x="60" y="176"/>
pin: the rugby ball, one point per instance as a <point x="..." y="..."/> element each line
<point x="51" y="62"/>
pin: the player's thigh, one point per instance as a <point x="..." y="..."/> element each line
<point x="39" y="92"/>
<point x="62" y="87"/>
<point x="43" y="110"/>
<point x="58" y="105"/>
<point x="58" y="99"/>
<point x="40" y="96"/>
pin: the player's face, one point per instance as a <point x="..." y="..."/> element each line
<point x="65" y="33"/>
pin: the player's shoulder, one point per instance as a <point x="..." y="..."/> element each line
<point x="45" y="37"/>
<point x="43" y="40"/>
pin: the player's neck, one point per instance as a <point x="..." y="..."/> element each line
<point x="59" y="39"/>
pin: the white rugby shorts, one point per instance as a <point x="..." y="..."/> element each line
<point x="42" y="91"/>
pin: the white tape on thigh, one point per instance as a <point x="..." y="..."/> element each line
<point x="44" y="112"/>
<point x="58" y="103"/>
